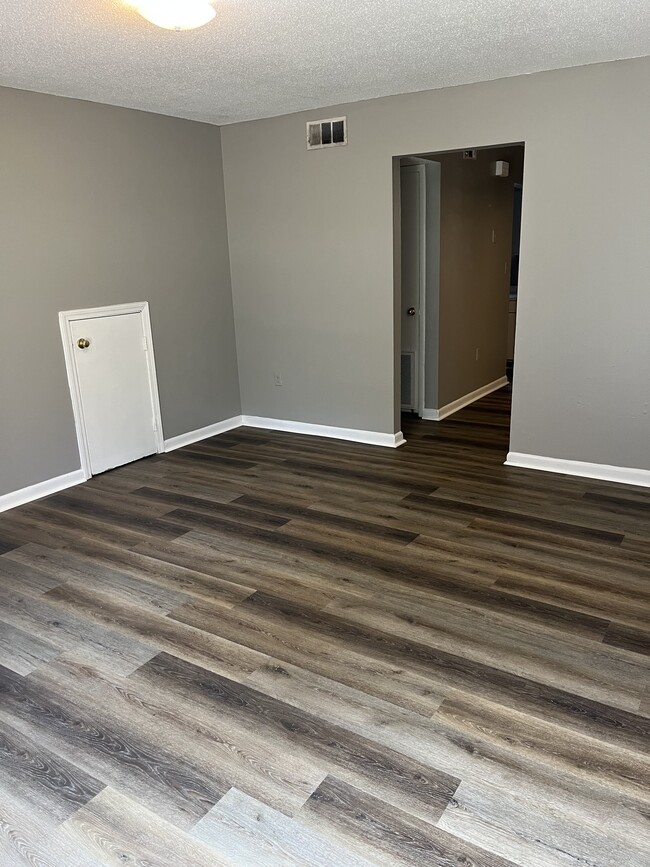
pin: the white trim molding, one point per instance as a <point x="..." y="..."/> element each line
<point x="203" y="433"/>
<point x="372" y="438"/>
<point x="604" y="472"/>
<point x="454" y="406"/>
<point x="41" y="489"/>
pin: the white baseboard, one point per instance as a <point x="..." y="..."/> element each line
<point x="373" y="438"/>
<point x="454" y="406"/>
<point x="340" y="433"/>
<point x="203" y="433"/>
<point x="604" y="472"/>
<point x="42" y="489"/>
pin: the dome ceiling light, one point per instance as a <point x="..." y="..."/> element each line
<point x="176" y="14"/>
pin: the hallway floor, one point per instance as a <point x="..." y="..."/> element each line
<point x="268" y="649"/>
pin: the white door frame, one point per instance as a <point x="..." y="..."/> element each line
<point x="422" y="289"/>
<point x="66" y="318"/>
<point x="420" y="166"/>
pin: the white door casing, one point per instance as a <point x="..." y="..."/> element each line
<point x="413" y="272"/>
<point x="113" y="384"/>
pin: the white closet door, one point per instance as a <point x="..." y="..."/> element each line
<point x="116" y="392"/>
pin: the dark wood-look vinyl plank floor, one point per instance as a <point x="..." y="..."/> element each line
<point x="272" y="650"/>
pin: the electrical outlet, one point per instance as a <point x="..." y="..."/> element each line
<point x="277" y="379"/>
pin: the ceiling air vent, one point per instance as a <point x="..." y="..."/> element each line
<point x="327" y="133"/>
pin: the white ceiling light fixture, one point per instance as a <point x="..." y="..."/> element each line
<point x="176" y="14"/>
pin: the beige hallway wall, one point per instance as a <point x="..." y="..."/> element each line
<point x="474" y="270"/>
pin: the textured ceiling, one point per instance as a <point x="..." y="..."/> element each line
<point x="258" y="59"/>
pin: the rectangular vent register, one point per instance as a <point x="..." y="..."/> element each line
<point x="327" y="133"/>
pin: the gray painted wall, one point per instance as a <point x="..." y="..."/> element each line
<point x="103" y="205"/>
<point x="311" y="245"/>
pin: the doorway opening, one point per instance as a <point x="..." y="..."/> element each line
<point x="112" y="377"/>
<point x="458" y="277"/>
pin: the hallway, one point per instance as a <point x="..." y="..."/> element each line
<point x="269" y="649"/>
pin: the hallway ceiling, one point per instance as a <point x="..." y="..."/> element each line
<point x="268" y="58"/>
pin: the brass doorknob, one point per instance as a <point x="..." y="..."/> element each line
<point x="82" y="343"/>
<point x="411" y="311"/>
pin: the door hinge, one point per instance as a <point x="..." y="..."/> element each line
<point x="155" y="424"/>
<point x="144" y="344"/>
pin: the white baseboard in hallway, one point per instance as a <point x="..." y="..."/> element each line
<point x="461" y="402"/>
<point x="41" y="489"/>
<point x="603" y="472"/>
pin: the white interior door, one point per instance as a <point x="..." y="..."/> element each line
<point x="118" y="408"/>
<point x="413" y="190"/>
